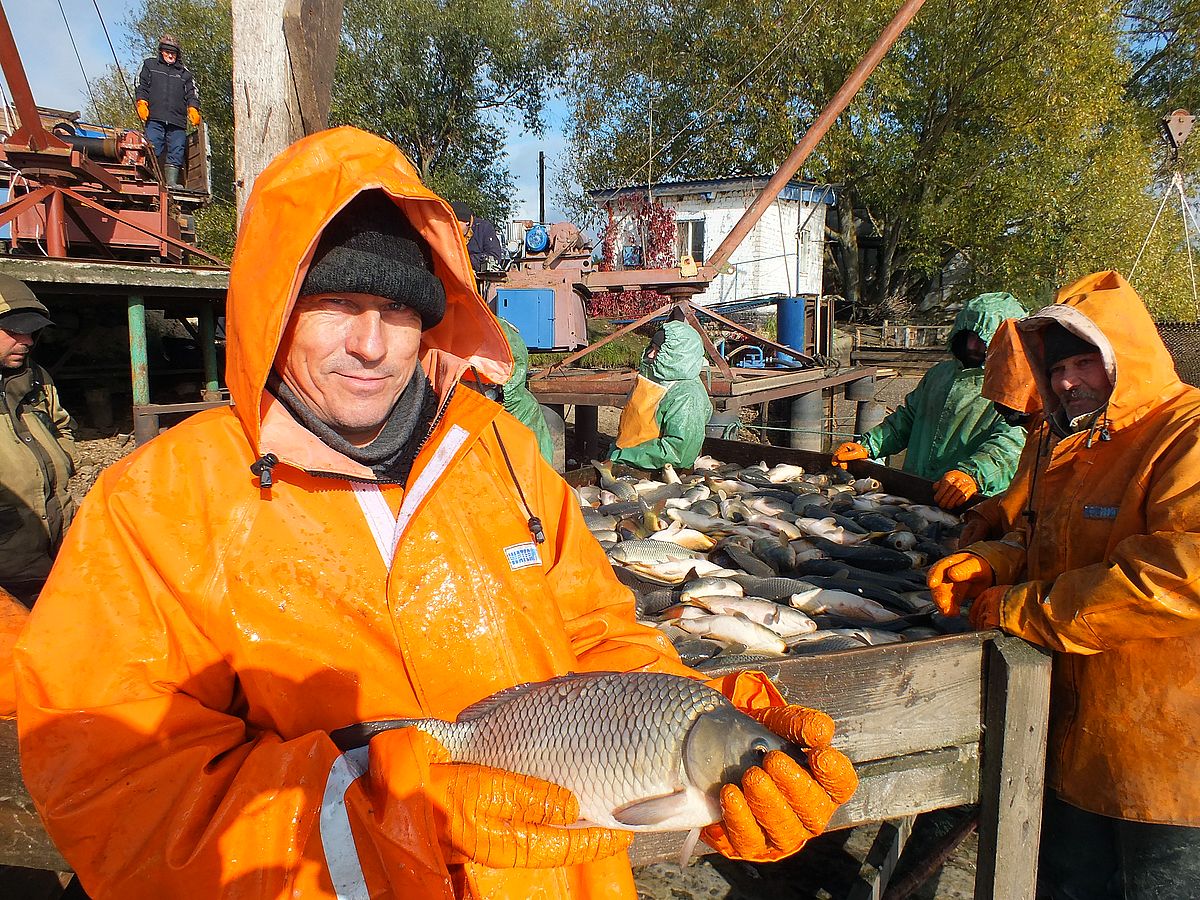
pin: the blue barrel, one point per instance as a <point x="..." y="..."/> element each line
<point x="791" y="314"/>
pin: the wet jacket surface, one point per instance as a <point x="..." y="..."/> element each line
<point x="519" y="402"/>
<point x="1106" y="573"/>
<point x="169" y="89"/>
<point x="202" y="634"/>
<point x="669" y="426"/>
<point x="37" y="458"/>
<point x="944" y="423"/>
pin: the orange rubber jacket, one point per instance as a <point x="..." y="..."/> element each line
<point x="201" y="634"/>
<point x="1008" y="380"/>
<point x="1108" y="572"/>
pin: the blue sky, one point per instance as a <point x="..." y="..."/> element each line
<point x="56" y="81"/>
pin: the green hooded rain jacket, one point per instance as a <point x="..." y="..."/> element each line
<point x="684" y="409"/>
<point x="518" y="401"/>
<point x="945" y="424"/>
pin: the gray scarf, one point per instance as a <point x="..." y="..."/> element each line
<point x="390" y="456"/>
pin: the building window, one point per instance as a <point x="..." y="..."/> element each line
<point x="689" y="239"/>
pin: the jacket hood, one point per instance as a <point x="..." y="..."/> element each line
<point x="1007" y="378"/>
<point x="680" y="358"/>
<point x="983" y="315"/>
<point x="1103" y="309"/>
<point x="293" y="200"/>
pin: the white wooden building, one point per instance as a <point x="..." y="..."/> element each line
<point x="782" y="256"/>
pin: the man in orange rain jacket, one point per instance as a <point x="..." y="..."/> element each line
<point x="362" y="537"/>
<point x="1103" y="570"/>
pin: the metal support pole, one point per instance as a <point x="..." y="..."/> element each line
<point x="56" y="227"/>
<point x="807" y="417"/>
<point x="868" y="414"/>
<point x="139" y="370"/>
<point x="208" y="349"/>
<point x="587" y="435"/>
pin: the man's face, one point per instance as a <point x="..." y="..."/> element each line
<point x="348" y="357"/>
<point x="974" y="349"/>
<point x="465" y="227"/>
<point x="168" y="56"/>
<point x="1080" y="383"/>
<point x="14" y="348"/>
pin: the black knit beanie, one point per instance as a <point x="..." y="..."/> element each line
<point x="1058" y="344"/>
<point x="371" y="248"/>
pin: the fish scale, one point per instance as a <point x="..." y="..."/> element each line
<point x="613" y="739"/>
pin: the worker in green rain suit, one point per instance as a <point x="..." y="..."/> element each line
<point x="954" y="436"/>
<point x="518" y="401"/>
<point x="663" y="419"/>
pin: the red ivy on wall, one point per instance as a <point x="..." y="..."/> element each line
<point x="634" y="220"/>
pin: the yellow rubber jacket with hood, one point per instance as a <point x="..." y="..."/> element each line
<point x="202" y="633"/>
<point x="1106" y="573"/>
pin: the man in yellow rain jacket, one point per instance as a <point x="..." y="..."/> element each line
<point x="1101" y="567"/>
<point x="363" y="536"/>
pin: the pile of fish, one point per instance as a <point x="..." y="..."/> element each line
<point x="738" y="562"/>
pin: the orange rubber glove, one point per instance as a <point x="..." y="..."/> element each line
<point x="504" y="821"/>
<point x="954" y="489"/>
<point x="143" y="110"/>
<point x="847" y="453"/>
<point x="958" y="577"/>
<point x="984" y="613"/>
<point x="193" y="115"/>
<point x="781" y="804"/>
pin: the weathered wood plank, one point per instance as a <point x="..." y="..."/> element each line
<point x="1010" y="810"/>
<point x="23" y="840"/>
<point x="72" y="276"/>
<point x="887" y="789"/>
<point x="881" y="860"/>
<point x="894" y="699"/>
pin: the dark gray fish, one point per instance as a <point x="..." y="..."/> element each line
<point x="868" y="556"/>
<point x="734" y="660"/>
<point x="780" y="557"/>
<point x="873" y="521"/>
<point x="743" y="559"/>
<point x="697" y="650"/>
<point x="621" y="509"/>
<point x="771" y="588"/>
<point x="651" y="603"/>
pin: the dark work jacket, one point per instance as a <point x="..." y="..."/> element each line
<point x="484" y="242"/>
<point x="37" y="458"/>
<point x="168" y="89"/>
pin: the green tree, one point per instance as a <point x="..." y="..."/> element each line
<point x="997" y="132"/>
<point x="440" y="78"/>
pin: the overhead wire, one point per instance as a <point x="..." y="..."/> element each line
<point x="87" y="83"/>
<point x="113" y="50"/>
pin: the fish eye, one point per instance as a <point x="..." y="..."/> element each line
<point x="760" y="746"/>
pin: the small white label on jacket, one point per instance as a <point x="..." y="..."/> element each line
<point x="1100" y="512"/>
<point x="522" y="556"/>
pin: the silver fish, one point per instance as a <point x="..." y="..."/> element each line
<point x="647" y="551"/>
<point x="642" y="751"/>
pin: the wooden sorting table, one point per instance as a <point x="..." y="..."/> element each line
<point x="930" y="724"/>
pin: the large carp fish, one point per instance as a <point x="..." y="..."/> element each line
<point x="642" y="751"/>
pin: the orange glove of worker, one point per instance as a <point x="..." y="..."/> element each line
<point x="954" y="489"/>
<point x="984" y="612"/>
<point x="780" y="805"/>
<point x="958" y="577"/>
<point x="502" y="820"/>
<point x="847" y="453"/>
<point x="193" y="115"/>
<point x="143" y="110"/>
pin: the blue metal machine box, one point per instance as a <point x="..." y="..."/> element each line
<point x="531" y="312"/>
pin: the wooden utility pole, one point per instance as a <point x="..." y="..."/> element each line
<point x="284" y="53"/>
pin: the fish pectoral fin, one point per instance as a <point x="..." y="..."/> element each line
<point x="654" y="810"/>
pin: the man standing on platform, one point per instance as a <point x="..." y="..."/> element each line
<point x="167" y="100"/>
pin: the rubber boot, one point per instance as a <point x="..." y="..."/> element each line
<point x="172" y="176"/>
